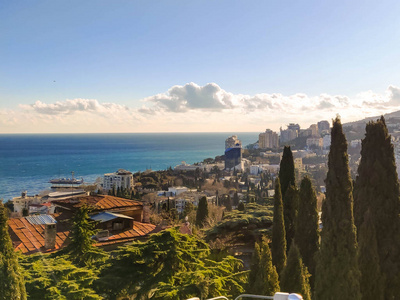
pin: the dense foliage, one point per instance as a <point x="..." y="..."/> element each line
<point x="81" y="249"/>
<point x="202" y="212"/>
<point x="294" y="277"/>
<point x="12" y="285"/>
<point x="286" y="170"/>
<point x="307" y="234"/>
<point x="377" y="191"/>
<point x="58" y="278"/>
<point x="278" y="248"/>
<point x="337" y="272"/>
<point x="263" y="278"/>
<point x="245" y="226"/>
<point x="170" y="265"/>
<point x="290" y="212"/>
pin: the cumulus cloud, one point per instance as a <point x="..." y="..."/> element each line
<point x="192" y="96"/>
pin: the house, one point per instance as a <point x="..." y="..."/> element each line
<point x="119" y="221"/>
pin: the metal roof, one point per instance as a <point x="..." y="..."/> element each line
<point x="108" y="216"/>
<point x="41" y="219"/>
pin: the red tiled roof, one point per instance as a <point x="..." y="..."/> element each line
<point x="99" y="202"/>
<point x="29" y="238"/>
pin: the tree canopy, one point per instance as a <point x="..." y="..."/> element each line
<point x="337" y="272"/>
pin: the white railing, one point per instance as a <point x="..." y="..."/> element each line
<point x="277" y="296"/>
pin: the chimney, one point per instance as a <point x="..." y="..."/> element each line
<point x="50" y="233"/>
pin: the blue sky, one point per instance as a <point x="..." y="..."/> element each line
<point x="73" y="65"/>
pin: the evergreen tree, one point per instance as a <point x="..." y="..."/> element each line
<point x="307" y="231"/>
<point x="235" y="199"/>
<point x="263" y="278"/>
<point x="337" y="272"/>
<point x="81" y="249"/>
<point x="202" y="212"/>
<point x="278" y="248"/>
<point x="12" y="284"/>
<point x="377" y="190"/>
<point x="241" y="206"/>
<point x="228" y="203"/>
<point x="286" y="170"/>
<point x="290" y="211"/>
<point x="372" y="281"/>
<point x="294" y="277"/>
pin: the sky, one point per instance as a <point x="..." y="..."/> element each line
<point x="201" y="66"/>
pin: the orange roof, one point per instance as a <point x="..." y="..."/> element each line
<point x="99" y="202"/>
<point x="29" y="238"/>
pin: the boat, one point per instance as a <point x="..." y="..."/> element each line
<point x="67" y="180"/>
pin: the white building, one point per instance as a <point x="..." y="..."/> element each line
<point x="355" y="143"/>
<point x="120" y="179"/>
<point x="176" y="190"/>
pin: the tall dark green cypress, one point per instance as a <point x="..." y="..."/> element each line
<point x="12" y="284"/>
<point x="263" y="278"/>
<point x="202" y="212"/>
<point x="377" y="190"/>
<point x="294" y="277"/>
<point x="289" y="192"/>
<point x="290" y="212"/>
<point x="372" y="281"/>
<point x="278" y="248"/>
<point x="286" y="170"/>
<point x="307" y="234"/>
<point x="337" y="273"/>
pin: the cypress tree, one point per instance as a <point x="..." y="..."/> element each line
<point x="337" y="272"/>
<point x="294" y="277"/>
<point x="278" y="248"/>
<point x="286" y="170"/>
<point x="263" y="278"/>
<point x="289" y="193"/>
<point x="371" y="281"/>
<point x="290" y="212"/>
<point x="202" y="212"/>
<point x="307" y="234"/>
<point x="12" y="284"/>
<point x="377" y="190"/>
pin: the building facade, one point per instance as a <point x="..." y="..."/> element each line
<point x="268" y="139"/>
<point x="122" y="179"/>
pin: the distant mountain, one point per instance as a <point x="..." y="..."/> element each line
<point x="393" y="115"/>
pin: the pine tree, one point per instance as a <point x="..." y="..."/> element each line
<point x="12" y="284"/>
<point x="377" y="190"/>
<point x="290" y="212"/>
<point x="241" y="206"/>
<point x="307" y="234"/>
<point x="337" y="272"/>
<point x="202" y="212"/>
<point x="278" y="248"/>
<point x="372" y="281"/>
<point x="81" y="249"/>
<point x="263" y="278"/>
<point x="286" y="170"/>
<point x="294" y="277"/>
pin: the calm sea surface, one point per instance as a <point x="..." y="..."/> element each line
<point x="28" y="162"/>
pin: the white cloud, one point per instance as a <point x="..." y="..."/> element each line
<point x="191" y="96"/>
<point x="197" y="108"/>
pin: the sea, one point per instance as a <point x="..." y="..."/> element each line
<point x="29" y="161"/>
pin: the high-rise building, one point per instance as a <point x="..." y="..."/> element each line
<point x="232" y="142"/>
<point x="323" y="126"/>
<point x="233" y="153"/>
<point x="268" y="139"/>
